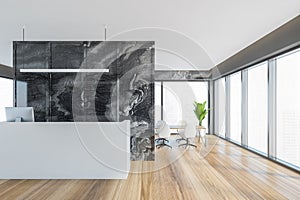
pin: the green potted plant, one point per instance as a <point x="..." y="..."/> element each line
<point x="200" y="111"/>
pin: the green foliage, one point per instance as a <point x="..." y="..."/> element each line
<point x="200" y="111"/>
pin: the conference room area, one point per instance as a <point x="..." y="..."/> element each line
<point x="176" y="123"/>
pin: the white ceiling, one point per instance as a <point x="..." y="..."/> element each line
<point x="189" y="34"/>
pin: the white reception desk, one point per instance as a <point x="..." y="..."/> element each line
<point x="64" y="150"/>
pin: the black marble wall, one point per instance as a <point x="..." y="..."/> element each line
<point x="33" y="89"/>
<point x="182" y="75"/>
<point x="125" y="92"/>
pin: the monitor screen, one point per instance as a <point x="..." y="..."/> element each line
<point x="19" y="114"/>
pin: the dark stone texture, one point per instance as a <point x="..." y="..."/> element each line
<point x="126" y="92"/>
<point x="103" y="99"/>
<point x="33" y="55"/>
<point x="175" y="75"/>
<point x="136" y="73"/>
<point x="65" y="55"/>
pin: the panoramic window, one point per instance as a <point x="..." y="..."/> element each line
<point x="288" y="108"/>
<point x="171" y="103"/>
<point x="258" y="107"/>
<point x="200" y="92"/>
<point x="235" y="107"/>
<point x="178" y="99"/>
<point x="220" y="107"/>
<point x="157" y="101"/>
<point x="6" y="96"/>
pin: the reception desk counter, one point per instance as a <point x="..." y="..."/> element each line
<point x="64" y="150"/>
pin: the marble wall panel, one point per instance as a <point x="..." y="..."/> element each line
<point x="65" y="55"/>
<point x="181" y="75"/>
<point x="126" y="92"/>
<point x="34" y="86"/>
<point x="136" y="73"/>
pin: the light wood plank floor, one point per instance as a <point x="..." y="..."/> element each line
<point x="219" y="171"/>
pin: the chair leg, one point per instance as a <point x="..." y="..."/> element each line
<point x="163" y="143"/>
<point x="180" y="139"/>
<point x="187" y="144"/>
<point x="161" y="139"/>
<point x="164" y="139"/>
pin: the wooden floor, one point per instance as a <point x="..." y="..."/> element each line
<point x="219" y="171"/>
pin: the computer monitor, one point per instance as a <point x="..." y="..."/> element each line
<point x="19" y="114"/>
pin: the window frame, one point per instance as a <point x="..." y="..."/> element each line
<point x="272" y="104"/>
